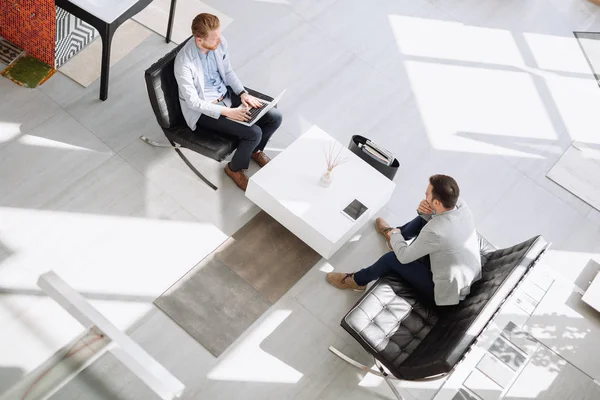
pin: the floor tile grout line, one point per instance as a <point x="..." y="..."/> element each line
<point x="352" y="55"/>
<point x="360" y="56"/>
<point x="33" y="127"/>
<point x="148" y="179"/>
<point x="501" y="195"/>
<point x="532" y="181"/>
<point x="559" y="198"/>
<point x="324" y="323"/>
<point x="148" y="182"/>
<point x="524" y="174"/>
<point x="112" y="153"/>
<point x="331" y="382"/>
<point x="319" y="83"/>
<point x="355" y="55"/>
<point x="144" y="180"/>
<point x="291" y="9"/>
<point x="565" y="189"/>
<point x="87" y="129"/>
<point x="69" y="186"/>
<point x="261" y="52"/>
<point x="76" y="98"/>
<point x="49" y="117"/>
<point x="343" y="339"/>
<point x="454" y="18"/>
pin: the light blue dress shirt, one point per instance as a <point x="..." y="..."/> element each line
<point x="214" y="87"/>
<point x="190" y="83"/>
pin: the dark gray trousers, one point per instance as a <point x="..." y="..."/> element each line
<point x="252" y="138"/>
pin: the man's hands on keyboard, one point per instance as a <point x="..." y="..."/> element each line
<point x="241" y="113"/>
<point x="250" y="101"/>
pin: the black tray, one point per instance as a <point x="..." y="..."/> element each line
<point x="388" y="170"/>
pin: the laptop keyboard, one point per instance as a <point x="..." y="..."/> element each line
<point x="255" y="111"/>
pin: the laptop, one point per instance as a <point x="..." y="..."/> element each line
<point x="257" y="113"/>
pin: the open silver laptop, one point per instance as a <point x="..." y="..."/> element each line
<point x="257" y="113"/>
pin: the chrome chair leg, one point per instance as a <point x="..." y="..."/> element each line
<point x="354" y="362"/>
<point x="156" y="144"/>
<point x="187" y="162"/>
<point x="382" y="373"/>
<point x="388" y="380"/>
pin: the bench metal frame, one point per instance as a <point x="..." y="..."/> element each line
<point x="381" y="372"/>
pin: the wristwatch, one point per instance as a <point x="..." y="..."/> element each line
<point x="242" y="92"/>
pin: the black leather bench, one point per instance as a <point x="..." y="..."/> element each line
<point x="417" y="341"/>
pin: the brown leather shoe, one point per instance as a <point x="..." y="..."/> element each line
<point x="261" y="158"/>
<point x="239" y="177"/>
<point x="344" y="281"/>
<point x="383" y="228"/>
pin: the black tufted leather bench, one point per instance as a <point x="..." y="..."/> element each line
<point x="164" y="98"/>
<point x="414" y="340"/>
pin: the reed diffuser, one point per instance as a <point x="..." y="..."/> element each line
<point x="333" y="159"/>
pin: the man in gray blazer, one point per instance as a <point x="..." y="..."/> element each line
<point x="442" y="261"/>
<point x="210" y="92"/>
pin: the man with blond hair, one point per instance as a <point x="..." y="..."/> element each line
<point x="211" y="96"/>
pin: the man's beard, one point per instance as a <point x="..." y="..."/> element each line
<point x="211" y="48"/>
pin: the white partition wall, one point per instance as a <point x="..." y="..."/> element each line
<point x="150" y="371"/>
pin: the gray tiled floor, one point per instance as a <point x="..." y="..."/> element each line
<point x="48" y="159"/>
<point x="490" y="92"/>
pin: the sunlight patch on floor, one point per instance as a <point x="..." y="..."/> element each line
<point x="247" y="362"/>
<point x="38" y="141"/>
<point x="326" y="267"/>
<point x="122" y="263"/>
<point x="9" y="131"/>
<point x="557" y="53"/>
<point x="454" y="41"/>
<point x="477" y="110"/>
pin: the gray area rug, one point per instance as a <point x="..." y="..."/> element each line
<point x="225" y="293"/>
<point x="590" y="45"/>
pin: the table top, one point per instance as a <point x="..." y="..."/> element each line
<point x="106" y="10"/>
<point x="592" y="294"/>
<point x="292" y="179"/>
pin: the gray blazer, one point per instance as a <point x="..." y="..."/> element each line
<point x="451" y="242"/>
<point x="190" y="80"/>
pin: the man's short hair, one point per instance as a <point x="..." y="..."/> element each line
<point x="203" y="24"/>
<point x="445" y="189"/>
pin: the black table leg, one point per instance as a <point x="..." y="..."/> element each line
<point x="106" y="34"/>
<point x="107" y="31"/>
<point x="171" y="17"/>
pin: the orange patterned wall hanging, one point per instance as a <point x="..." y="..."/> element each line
<point x="31" y="25"/>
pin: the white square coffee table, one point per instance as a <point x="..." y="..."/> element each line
<point x="288" y="190"/>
